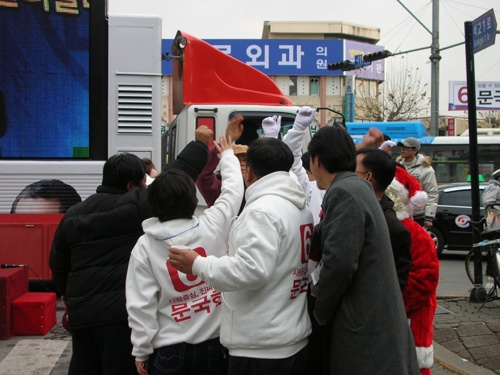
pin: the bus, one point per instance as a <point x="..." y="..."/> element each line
<point x="451" y="157"/>
<point x="394" y="129"/>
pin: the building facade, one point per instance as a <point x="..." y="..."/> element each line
<point x="296" y="56"/>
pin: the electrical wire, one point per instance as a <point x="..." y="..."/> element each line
<point x="398" y="28"/>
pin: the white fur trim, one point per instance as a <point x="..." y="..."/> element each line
<point x="425" y="356"/>
<point x="399" y="195"/>
<point x="419" y="199"/>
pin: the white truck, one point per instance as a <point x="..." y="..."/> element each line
<point x="209" y="87"/>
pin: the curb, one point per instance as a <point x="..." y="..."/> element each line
<point x="457" y="364"/>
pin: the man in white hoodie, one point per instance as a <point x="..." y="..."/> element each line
<point x="175" y="317"/>
<point x="265" y="323"/>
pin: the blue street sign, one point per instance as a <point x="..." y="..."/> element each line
<point x="484" y="30"/>
<point x="359" y="63"/>
<point x="349" y="107"/>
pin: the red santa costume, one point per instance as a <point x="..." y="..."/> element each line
<point x="419" y="295"/>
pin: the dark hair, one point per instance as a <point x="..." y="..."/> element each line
<point x="380" y="164"/>
<point x="335" y="149"/>
<point x="148" y="164"/>
<point x="49" y="189"/>
<point x="269" y="155"/>
<point x="249" y="134"/>
<point x="306" y="161"/>
<point x="120" y="169"/>
<point x="172" y="195"/>
<point x="386" y="137"/>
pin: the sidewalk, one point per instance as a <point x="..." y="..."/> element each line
<point x="466" y="342"/>
<point x="467" y="337"/>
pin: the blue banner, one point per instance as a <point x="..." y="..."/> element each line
<point x="277" y="56"/>
<point x="293" y="57"/>
<point x="375" y="71"/>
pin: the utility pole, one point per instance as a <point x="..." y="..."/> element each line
<point x="435" y="57"/>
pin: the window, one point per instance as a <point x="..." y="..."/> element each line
<point x="293" y="85"/>
<point x="314" y="86"/>
<point x="456" y="198"/>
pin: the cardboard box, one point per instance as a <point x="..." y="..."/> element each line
<point x="13" y="284"/>
<point x="34" y="313"/>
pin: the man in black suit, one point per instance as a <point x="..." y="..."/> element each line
<point x="376" y="166"/>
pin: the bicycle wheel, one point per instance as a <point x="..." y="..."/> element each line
<point x="469" y="269"/>
<point x="495" y="264"/>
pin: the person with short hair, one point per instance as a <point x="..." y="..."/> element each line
<point x="90" y="255"/>
<point x="45" y="197"/>
<point x="265" y="324"/>
<point x="377" y="167"/>
<point x="151" y="171"/>
<point x="174" y="315"/>
<point x="358" y="302"/>
<point x="419" y="166"/>
<point x="89" y="261"/>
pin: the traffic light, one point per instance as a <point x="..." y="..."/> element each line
<point x="379" y="55"/>
<point x="342" y="65"/>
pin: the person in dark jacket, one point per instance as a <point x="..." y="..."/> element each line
<point x="90" y="256"/>
<point x="377" y="167"/>
<point x="358" y="297"/>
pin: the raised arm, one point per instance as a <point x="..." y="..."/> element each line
<point x="207" y="182"/>
<point x="374" y="138"/>
<point x="294" y="139"/>
<point x="235" y="127"/>
<point x="193" y="158"/>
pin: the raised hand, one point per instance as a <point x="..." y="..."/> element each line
<point x="235" y="127"/>
<point x="305" y="117"/>
<point x="203" y="134"/>
<point x="225" y="143"/>
<point x="271" y="126"/>
<point x="374" y="138"/>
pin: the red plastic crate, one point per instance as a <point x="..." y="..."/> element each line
<point x="34" y="313"/>
<point x="13" y="284"/>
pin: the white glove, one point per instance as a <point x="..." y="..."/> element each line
<point x="387" y="144"/>
<point x="305" y="117"/>
<point x="271" y="126"/>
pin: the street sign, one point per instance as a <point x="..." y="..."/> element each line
<point x="359" y="62"/>
<point x="484" y="30"/>
<point x="451" y="127"/>
<point x="349" y="107"/>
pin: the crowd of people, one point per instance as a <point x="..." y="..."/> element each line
<point x="303" y="262"/>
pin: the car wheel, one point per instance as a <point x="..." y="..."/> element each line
<point x="438" y="239"/>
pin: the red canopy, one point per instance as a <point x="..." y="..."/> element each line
<point x="206" y="75"/>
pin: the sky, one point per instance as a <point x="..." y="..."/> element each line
<point x="237" y="19"/>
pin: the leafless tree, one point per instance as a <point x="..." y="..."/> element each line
<point x="490" y="117"/>
<point x="401" y="97"/>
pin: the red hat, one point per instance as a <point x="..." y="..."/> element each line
<point x="406" y="192"/>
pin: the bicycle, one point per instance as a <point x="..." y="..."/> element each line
<point x="490" y="257"/>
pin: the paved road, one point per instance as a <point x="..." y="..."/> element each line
<point x="40" y="355"/>
<point x="50" y="355"/>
